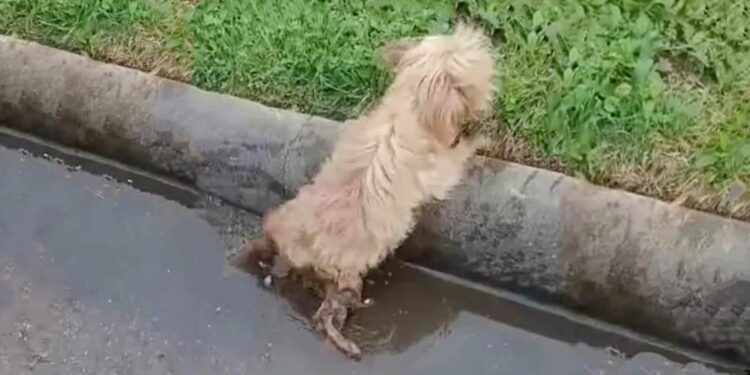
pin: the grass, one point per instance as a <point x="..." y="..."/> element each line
<point x="648" y="96"/>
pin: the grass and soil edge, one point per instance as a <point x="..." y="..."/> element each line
<point x="647" y="96"/>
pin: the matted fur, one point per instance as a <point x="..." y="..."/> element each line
<point x="404" y="152"/>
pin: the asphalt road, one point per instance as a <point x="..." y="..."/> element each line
<point x="106" y="277"/>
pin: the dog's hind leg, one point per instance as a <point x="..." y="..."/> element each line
<point x="331" y="317"/>
<point x="350" y="287"/>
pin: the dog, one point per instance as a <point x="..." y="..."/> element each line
<point x="407" y="150"/>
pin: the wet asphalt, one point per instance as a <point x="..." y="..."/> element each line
<point x="104" y="270"/>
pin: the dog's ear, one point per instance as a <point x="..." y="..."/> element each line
<point x="441" y="106"/>
<point x="393" y="52"/>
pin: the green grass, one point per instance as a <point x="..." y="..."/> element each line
<point x="317" y="56"/>
<point x="650" y="96"/>
<point x="141" y="34"/>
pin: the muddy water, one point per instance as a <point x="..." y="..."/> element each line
<point x="101" y="277"/>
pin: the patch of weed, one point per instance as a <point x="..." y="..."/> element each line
<point x="315" y="56"/>
<point x="79" y="24"/>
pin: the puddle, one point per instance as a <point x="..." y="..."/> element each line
<point x="98" y="276"/>
<point x="76" y="160"/>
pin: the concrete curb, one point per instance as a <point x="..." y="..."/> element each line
<point x="669" y="271"/>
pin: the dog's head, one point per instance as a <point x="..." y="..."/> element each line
<point x="450" y="76"/>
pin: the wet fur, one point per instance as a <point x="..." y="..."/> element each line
<point x="407" y="150"/>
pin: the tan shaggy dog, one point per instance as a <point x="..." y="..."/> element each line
<point x="406" y="151"/>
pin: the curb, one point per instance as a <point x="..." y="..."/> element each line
<point x="679" y="274"/>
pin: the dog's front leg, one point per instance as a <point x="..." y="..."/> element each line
<point x="256" y="255"/>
